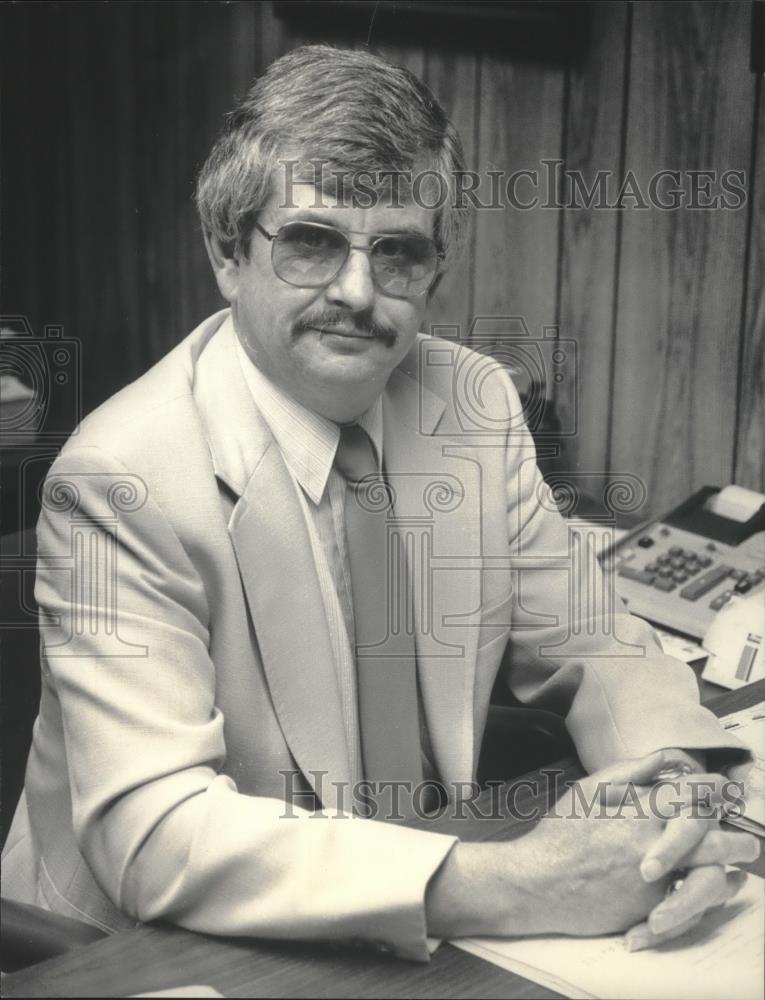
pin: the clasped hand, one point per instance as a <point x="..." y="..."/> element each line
<point x="672" y="826"/>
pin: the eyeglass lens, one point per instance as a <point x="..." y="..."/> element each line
<point x="309" y="255"/>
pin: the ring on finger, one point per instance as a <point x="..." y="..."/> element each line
<point x="674" y="771"/>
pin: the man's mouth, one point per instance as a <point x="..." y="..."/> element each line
<point x="347" y="327"/>
<point x="337" y="331"/>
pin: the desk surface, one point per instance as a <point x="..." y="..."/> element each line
<point x="157" y="957"/>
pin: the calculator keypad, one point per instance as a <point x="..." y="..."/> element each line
<point x="676" y="566"/>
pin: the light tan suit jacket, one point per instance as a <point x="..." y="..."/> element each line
<point x="187" y="662"/>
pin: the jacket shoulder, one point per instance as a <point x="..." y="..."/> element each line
<point x="155" y="412"/>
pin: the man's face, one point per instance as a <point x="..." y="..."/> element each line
<point x="345" y="337"/>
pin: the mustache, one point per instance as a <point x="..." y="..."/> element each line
<point x="360" y="323"/>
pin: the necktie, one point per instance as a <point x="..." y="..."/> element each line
<point x="385" y="655"/>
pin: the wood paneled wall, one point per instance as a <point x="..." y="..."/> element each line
<point x="110" y="109"/>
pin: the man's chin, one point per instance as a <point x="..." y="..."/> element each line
<point x="350" y="362"/>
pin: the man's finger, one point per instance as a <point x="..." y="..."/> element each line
<point x="699" y="793"/>
<point x="696" y="794"/>
<point x="635" y="770"/>
<point x="702" y="889"/>
<point x="639" y="770"/>
<point x="680" y="837"/>
<point x="641" y="936"/>
<point x="720" y="847"/>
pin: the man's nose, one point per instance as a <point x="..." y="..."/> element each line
<point x="353" y="286"/>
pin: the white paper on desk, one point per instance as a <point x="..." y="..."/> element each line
<point x="719" y="960"/>
<point x="735" y="642"/>
<point x="687" y="650"/>
<point x="748" y="725"/>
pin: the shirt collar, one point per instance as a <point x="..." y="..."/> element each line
<point x="306" y="440"/>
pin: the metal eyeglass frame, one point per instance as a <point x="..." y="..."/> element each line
<point x="271" y="237"/>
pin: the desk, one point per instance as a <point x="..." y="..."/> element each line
<point x="157" y="957"/>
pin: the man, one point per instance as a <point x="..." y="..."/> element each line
<point x="218" y="648"/>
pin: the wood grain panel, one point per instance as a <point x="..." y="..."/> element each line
<point x="593" y="129"/>
<point x="35" y="189"/>
<point x="271" y="36"/>
<point x="516" y="250"/>
<point x="453" y="78"/>
<point x="184" y="68"/>
<point x="122" y="106"/>
<point x="750" y="432"/>
<point x="148" y="959"/>
<point x="680" y="280"/>
<point x="103" y="223"/>
<point x="38" y="251"/>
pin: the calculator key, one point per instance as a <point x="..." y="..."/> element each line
<point x="663" y="558"/>
<point x="679" y="577"/>
<point x="636" y="574"/>
<point x="704" y="583"/>
<point x="711" y="547"/>
<point x="721" y="600"/>
<point x="645" y="542"/>
<point x="676" y="550"/>
<point x="662" y="583"/>
<point x="737" y="574"/>
<point x="652" y="567"/>
<point x="705" y="561"/>
<point x="692" y="568"/>
<point x="627" y="554"/>
<point x="742" y="586"/>
<point x="663" y="532"/>
<point x="677" y="563"/>
<point x="665" y="571"/>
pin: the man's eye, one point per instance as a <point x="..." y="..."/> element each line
<point x="392" y="249"/>
<point x="310" y="238"/>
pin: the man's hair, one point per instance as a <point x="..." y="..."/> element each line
<point x="350" y="110"/>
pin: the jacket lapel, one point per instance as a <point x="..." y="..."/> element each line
<point x="437" y="505"/>
<point x="273" y="551"/>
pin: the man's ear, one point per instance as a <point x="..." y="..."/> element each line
<point x="225" y="269"/>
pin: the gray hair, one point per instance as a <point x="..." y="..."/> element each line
<point x="354" y="112"/>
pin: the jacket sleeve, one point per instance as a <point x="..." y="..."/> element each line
<point x="164" y="831"/>
<point x="575" y="648"/>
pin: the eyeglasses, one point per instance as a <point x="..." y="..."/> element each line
<point x="311" y="254"/>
